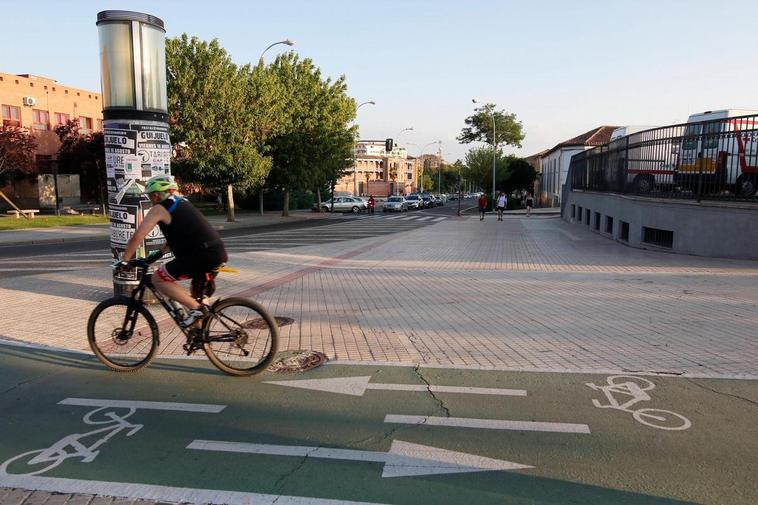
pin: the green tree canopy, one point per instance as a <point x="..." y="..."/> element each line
<point x="315" y="145"/>
<point x="478" y="167"/>
<point x="508" y="129"/>
<point x="217" y="115"/>
<point x="521" y="175"/>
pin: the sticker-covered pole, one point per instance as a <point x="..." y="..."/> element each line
<point x="135" y="127"/>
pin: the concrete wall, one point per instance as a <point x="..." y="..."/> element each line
<point x="715" y="229"/>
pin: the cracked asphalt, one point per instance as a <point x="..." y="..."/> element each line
<point x="619" y="461"/>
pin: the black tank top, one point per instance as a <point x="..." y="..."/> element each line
<point x="189" y="233"/>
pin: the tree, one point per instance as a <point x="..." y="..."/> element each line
<point x="508" y="129"/>
<point x="217" y="114"/>
<point x="315" y="145"/>
<point x="521" y="175"/>
<point x="478" y="167"/>
<point x="17" y="148"/>
<point x="83" y="154"/>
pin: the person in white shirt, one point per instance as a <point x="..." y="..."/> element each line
<point x="502" y="201"/>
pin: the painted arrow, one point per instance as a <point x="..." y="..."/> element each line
<point x="357" y="386"/>
<point x="404" y="459"/>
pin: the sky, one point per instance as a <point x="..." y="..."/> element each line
<point x="563" y="67"/>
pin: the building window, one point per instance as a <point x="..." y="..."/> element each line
<point x="99" y="124"/>
<point x="61" y="118"/>
<point x="11" y="115"/>
<point x="41" y="119"/>
<point x="85" y="124"/>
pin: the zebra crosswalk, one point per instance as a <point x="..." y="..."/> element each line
<point x="357" y="227"/>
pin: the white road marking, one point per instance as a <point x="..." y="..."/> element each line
<point x="439" y="219"/>
<point x="403" y="459"/>
<point x="357" y="386"/>
<point x="424" y="218"/>
<point x="488" y="424"/>
<point x="183" y="407"/>
<point x="161" y="493"/>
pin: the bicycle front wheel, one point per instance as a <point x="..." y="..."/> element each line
<point x="123" y="335"/>
<point x="240" y="336"/>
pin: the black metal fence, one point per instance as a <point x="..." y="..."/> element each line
<point x="713" y="159"/>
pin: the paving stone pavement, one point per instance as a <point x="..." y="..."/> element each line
<point x="525" y="293"/>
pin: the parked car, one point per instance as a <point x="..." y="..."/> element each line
<point x="395" y="204"/>
<point x="343" y="204"/>
<point x="427" y="201"/>
<point x="437" y="200"/>
<point x="414" y="202"/>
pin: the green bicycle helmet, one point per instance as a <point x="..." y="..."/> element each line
<point x="162" y="183"/>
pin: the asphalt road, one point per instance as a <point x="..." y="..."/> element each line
<point x="182" y="431"/>
<point x="23" y="260"/>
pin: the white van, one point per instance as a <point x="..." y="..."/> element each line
<point x="719" y="152"/>
<point x="645" y="154"/>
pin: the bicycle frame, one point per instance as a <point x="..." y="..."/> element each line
<point x="195" y="340"/>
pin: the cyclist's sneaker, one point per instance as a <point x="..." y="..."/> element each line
<point x="195" y="315"/>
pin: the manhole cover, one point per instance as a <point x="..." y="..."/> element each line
<point x="259" y="324"/>
<point x="297" y="361"/>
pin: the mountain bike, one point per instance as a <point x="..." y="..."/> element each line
<point x="238" y="336"/>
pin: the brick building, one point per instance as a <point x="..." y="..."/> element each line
<point x="380" y="173"/>
<point x="39" y="104"/>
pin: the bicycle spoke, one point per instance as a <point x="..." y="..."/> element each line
<point x="240" y="339"/>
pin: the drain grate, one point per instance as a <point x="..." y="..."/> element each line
<point x="297" y="361"/>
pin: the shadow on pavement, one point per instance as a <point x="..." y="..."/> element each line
<point x="73" y="290"/>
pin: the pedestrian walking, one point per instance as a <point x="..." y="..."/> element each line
<point x="502" y="201"/>
<point x="371" y="204"/>
<point x="482" y="206"/>
<point x="529" y="204"/>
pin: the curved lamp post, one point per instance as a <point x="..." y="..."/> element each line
<point x="355" y="156"/>
<point x="494" y="147"/>
<point x="286" y="42"/>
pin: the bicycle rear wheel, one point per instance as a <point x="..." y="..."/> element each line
<point x="122" y="334"/>
<point x="240" y="336"/>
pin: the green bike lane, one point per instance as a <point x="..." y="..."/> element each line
<point x="373" y="434"/>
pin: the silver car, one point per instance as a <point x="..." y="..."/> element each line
<point x="414" y="202"/>
<point x="344" y="204"/>
<point x="395" y="204"/>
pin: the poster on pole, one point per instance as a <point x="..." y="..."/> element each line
<point x="135" y="151"/>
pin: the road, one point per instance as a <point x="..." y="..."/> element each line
<point x="373" y="434"/>
<point x="20" y="261"/>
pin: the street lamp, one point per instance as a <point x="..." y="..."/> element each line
<point x="397" y="145"/>
<point x="286" y="42"/>
<point x="494" y="147"/>
<point x="355" y="157"/>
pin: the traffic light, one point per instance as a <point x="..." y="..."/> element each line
<point x="388" y="145"/>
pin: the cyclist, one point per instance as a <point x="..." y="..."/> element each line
<point x="196" y="245"/>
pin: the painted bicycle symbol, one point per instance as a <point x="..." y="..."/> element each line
<point x="74" y="445"/>
<point x="633" y="390"/>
